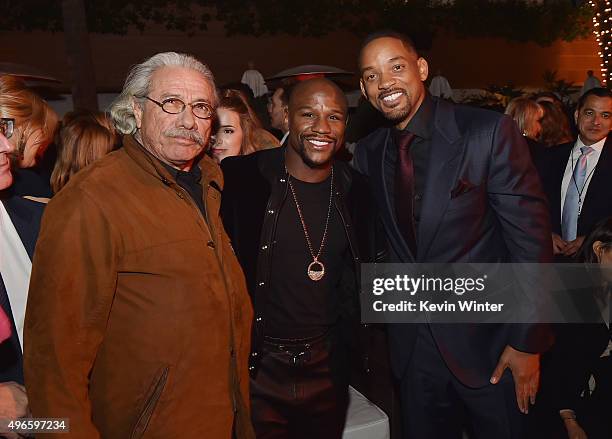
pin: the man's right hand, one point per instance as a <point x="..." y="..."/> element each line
<point x="559" y="244"/>
<point x="574" y="430"/>
<point x="13" y="401"/>
<point x="13" y="405"/>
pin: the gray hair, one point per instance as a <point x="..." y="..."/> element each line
<point x="138" y="83"/>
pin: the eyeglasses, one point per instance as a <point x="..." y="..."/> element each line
<point x="201" y="110"/>
<point x="7" y="126"/>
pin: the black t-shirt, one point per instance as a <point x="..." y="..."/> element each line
<point x="299" y="307"/>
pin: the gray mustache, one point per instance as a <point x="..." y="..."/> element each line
<point x="186" y="134"/>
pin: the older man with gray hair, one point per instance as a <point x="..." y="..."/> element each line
<point x="138" y="319"/>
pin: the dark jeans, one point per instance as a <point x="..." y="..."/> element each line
<point x="294" y="395"/>
<point x="435" y="405"/>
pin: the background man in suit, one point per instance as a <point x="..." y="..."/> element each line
<point x="453" y="184"/>
<point x="277" y="109"/>
<point x="19" y="224"/>
<point x="577" y="176"/>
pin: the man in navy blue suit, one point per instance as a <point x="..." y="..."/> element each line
<point x="453" y="184"/>
<point x="19" y="224"/>
<point x="577" y="176"/>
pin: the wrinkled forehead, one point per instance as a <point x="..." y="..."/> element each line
<point x="181" y="82"/>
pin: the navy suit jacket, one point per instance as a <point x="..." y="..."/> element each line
<point x="598" y="200"/>
<point x="482" y="202"/>
<point x="25" y="216"/>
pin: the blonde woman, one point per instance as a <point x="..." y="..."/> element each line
<point x="527" y="114"/>
<point x="34" y="121"/>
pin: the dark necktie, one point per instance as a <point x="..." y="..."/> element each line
<point x="404" y="190"/>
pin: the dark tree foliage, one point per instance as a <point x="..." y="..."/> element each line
<point x="515" y="20"/>
<point x="518" y="20"/>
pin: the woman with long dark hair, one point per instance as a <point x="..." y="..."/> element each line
<point x="239" y="131"/>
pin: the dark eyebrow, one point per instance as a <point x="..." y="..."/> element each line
<point x="331" y="110"/>
<point x="390" y="60"/>
<point x="338" y="111"/>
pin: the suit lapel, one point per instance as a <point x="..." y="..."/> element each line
<point x="24" y="220"/>
<point x="599" y="186"/>
<point x="444" y="161"/>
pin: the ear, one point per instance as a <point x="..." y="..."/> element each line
<point x="137" y="109"/>
<point x="423" y="69"/>
<point x="286" y="115"/>
<point x="576" y="116"/>
<point x="597" y="249"/>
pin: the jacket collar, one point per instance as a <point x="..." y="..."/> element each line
<point x="211" y="174"/>
<point x="421" y="124"/>
<point x="23" y="216"/>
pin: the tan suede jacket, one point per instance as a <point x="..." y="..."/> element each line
<point x="138" y="319"/>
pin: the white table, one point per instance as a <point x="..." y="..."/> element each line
<point x="365" y="420"/>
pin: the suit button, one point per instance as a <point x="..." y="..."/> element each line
<point x="211" y="244"/>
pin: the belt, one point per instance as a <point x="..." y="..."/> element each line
<point x="295" y="347"/>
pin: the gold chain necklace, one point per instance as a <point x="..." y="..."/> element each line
<point x="316" y="269"/>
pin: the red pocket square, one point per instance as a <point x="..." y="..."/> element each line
<point x="462" y="187"/>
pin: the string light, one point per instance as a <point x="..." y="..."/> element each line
<point x="602" y="27"/>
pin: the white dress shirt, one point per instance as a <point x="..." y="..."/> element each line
<point x="15" y="267"/>
<point x="592" y="160"/>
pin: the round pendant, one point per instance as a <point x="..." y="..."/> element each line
<point x="316" y="270"/>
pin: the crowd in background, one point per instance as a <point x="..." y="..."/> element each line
<point x="48" y="152"/>
<point x="244" y="124"/>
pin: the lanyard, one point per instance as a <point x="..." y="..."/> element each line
<point x="586" y="180"/>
